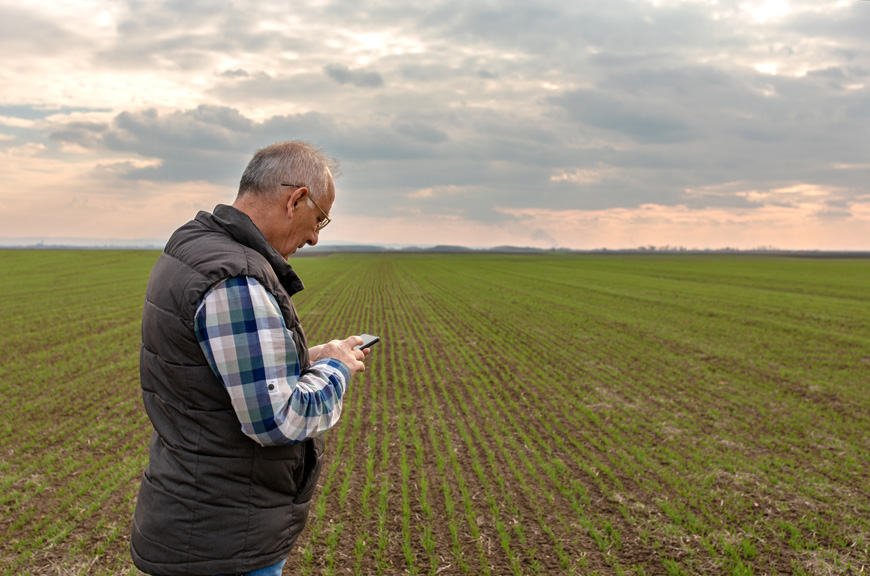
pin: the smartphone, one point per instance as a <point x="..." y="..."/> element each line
<point x="369" y="340"/>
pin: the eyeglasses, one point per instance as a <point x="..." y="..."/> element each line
<point x="326" y="219"/>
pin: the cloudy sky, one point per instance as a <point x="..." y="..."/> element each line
<point x="618" y="123"/>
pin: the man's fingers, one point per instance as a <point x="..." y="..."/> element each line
<point x="346" y="351"/>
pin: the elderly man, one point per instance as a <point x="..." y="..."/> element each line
<point x="238" y="401"/>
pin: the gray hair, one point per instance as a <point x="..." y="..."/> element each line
<point x="293" y="162"/>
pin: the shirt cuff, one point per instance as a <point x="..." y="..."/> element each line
<point x="332" y="368"/>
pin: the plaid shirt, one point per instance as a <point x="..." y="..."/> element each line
<point x="241" y="330"/>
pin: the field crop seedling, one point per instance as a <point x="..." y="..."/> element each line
<point x="522" y="414"/>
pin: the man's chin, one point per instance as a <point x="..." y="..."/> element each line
<point x="293" y="251"/>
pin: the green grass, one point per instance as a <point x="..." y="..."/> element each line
<point x="600" y="414"/>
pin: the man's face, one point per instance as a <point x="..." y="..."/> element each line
<point x="307" y="216"/>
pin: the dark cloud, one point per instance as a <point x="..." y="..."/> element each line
<point x="237" y="73"/>
<point x="672" y="80"/>
<point x="565" y="35"/>
<point x="420" y="131"/>
<point x="753" y="131"/>
<point x="618" y="61"/>
<point x="201" y="144"/>
<point x="86" y="134"/>
<point x="355" y="77"/>
<point x="211" y="142"/>
<point x="23" y="32"/>
<point x="30" y="112"/>
<point x="849" y="23"/>
<point x="261" y="87"/>
<point x="194" y="35"/>
<point x="647" y="123"/>
<point x="833" y="214"/>
<point x="206" y="129"/>
<point x="840" y="78"/>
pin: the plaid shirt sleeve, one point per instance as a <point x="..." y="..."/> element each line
<point x="241" y="330"/>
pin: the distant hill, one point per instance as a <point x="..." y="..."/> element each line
<point x="448" y="248"/>
<point x="328" y="248"/>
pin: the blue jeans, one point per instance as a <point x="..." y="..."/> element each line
<point x="273" y="570"/>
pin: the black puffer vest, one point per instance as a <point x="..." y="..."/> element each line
<point x="213" y="501"/>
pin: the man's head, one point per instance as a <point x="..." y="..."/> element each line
<point x="288" y="190"/>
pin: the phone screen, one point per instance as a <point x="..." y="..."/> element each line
<point x="369" y="340"/>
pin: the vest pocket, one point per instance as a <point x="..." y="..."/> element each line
<point x="313" y="462"/>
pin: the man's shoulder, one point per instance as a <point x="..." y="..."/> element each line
<point x="210" y="251"/>
<point x="197" y="257"/>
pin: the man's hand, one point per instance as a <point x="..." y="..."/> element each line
<point x="342" y="350"/>
<point x="314" y="353"/>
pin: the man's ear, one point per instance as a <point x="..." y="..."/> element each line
<point x="296" y="196"/>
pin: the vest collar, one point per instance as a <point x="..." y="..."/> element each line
<point x="243" y="230"/>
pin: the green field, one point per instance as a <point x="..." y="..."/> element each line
<point x="543" y="414"/>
